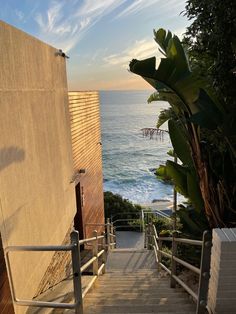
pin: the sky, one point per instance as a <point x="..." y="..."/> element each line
<point x="101" y="37"/>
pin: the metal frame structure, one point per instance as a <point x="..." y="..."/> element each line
<point x="77" y="269"/>
<point x="156" y="243"/>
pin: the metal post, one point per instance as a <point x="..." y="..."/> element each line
<point x="146" y="236"/>
<point x="175" y="200"/>
<point x="159" y="254"/>
<point x="95" y="253"/>
<point x="149" y="236"/>
<point x="108" y="234"/>
<point x="173" y="262"/>
<point x="143" y="221"/>
<point x="204" y="272"/>
<point x="104" y="254"/>
<point x="115" y="237"/>
<point x="112" y="238"/>
<point x="76" y="263"/>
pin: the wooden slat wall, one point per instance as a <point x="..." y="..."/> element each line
<point x="6" y="306"/>
<point x="87" y="153"/>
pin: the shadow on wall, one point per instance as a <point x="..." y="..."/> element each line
<point x="9" y="155"/>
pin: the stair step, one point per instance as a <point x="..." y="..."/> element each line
<point x="98" y="309"/>
<point x="137" y="294"/>
<point x="139" y="290"/>
<point x="132" y="286"/>
<point x="139" y="301"/>
<point x="132" y="274"/>
<point x="133" y="279"/>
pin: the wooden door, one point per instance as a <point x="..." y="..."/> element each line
<point x="78" y="220"/>
<point x="6" y="306"/>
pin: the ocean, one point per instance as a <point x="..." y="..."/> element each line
<point x="129" y="159"/>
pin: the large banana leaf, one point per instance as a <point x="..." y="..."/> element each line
<point x="194" y="192"/>
<point x="180" y="143"/>
<point x="173" y="73"/>
<point x="179" y="176"/>
<point x="209" y="116"/>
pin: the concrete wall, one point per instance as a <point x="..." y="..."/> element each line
<point x="37" y="200"/>
<point x="222" y="285"/>
<point x="87" y="154"/>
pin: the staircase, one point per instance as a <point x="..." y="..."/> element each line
<point x="132" y="285"/>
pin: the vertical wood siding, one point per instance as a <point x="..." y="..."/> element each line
<point x="6" y="306"/>
<point x="87" y="154"/>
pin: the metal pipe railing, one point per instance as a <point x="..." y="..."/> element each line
<point x="155" y="242"/>
<point x="74" y="248"/>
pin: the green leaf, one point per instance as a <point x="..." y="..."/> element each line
<point x="164" y="116"/>
<point x="180" y="143"/>
<point x="185" y="215"/>
<point x="209" y="116"/>
<point x="144" y="68"/>
<point x="171" y="153"/>
<point x="161" y="173"/>
<point x="194" y="191"/>
<point x="179" y="176"/>
<point x="161" y="38"/>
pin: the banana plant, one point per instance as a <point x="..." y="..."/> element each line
<point x="197" y="120"/>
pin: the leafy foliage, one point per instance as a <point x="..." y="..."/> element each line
<point x="114" y="204"/>
<point x="210" y="40"/>
<point x="161" y="174"/>
<point x="198" y="124"/>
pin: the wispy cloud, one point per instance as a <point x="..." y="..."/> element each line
<point x="19" y="14"/>
<point x="64" y="26"/>
<point x="136" y="6"/>
<point x="141" y="49"/>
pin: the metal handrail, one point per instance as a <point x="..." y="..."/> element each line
<point x="158" y="212"/>
<point x="155" y="242"/>
<point x="84" y="241"/>
<point x="77" y="269"/>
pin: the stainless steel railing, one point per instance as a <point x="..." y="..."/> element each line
<point x="77" y="269"/>
<point x="156" y="243"/>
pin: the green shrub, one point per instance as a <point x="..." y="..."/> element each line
<point x="117" y="205"/>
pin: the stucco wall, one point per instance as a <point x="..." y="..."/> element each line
<point x="37" y="200"/>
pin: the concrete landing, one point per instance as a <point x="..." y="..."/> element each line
<point x="129" y="239"/>
<point x="130" y="260"/>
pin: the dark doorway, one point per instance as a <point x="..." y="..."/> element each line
<point x="78" y="220"/>
<point x="6" y="306"/>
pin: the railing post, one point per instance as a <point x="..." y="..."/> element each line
<point x="111" y="237"/>
<point x="150" y="238"/>
<point x="114" y="237"/>
<point x="173" y="262"/>
<point x="159" y="254"/>
<point x="204" y="272"/>
<point x="104" y="254"/>
<point x="95" y="253"/>
<point x="146" y="236"/>
<point x="108" y="234"/>
<point x="142" y="221"/>
<point x="76" y="263"/>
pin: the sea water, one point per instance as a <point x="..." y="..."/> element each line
<point x="129" y="159"/>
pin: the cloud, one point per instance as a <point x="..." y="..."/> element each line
<point x="135" y="7"/>
<point x="64" y="26"/>
<point x="19" y="14"/>
<point x="141" y="49"/>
